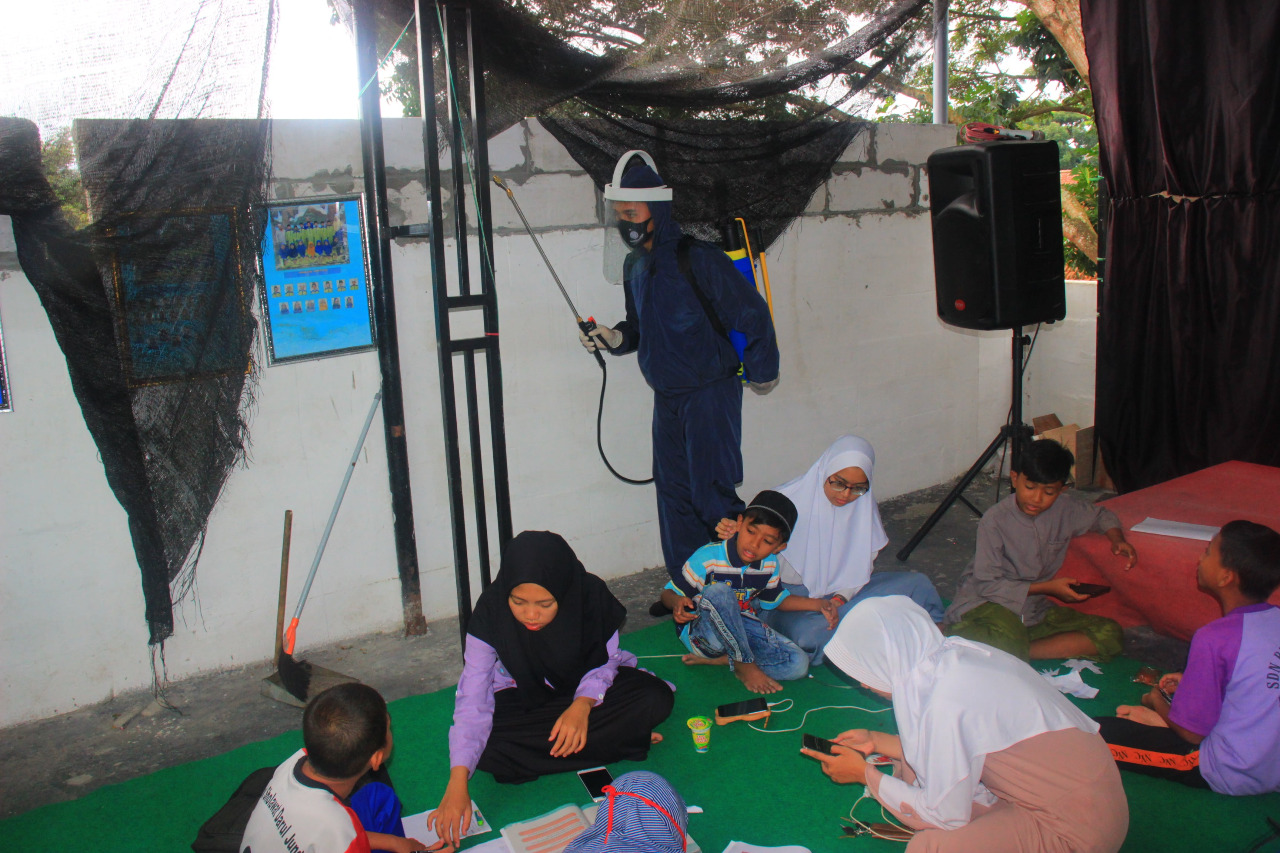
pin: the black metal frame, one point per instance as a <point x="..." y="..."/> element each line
<point x="451" y="26"/>
<point x="378" y="235"/>
<point x="1015" y="432"/>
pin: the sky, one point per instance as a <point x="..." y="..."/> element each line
<point x="100" y="63"/>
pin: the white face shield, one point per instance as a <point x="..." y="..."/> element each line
<point x="627" y="218"/>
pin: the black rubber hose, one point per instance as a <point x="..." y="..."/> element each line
<point x="604" y="381"/>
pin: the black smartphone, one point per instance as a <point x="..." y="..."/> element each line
<point x="1090" y="589"/>
<point x="742" y="709"/>
<point x="595" y="778"/>
<point x="819" y="744"/>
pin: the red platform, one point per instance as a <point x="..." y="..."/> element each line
<point x="1160" y="590"/>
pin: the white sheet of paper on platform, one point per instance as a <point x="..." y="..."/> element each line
<point x="415" y="826"/>
<point x="1179" y="529"/>
<point x="744" y="847"/>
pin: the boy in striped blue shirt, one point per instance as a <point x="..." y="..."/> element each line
<point x="724" y="585"/>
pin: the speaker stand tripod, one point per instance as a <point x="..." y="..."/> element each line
<point x="1015" y="432"/>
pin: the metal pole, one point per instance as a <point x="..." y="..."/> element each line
<point x="493" y="360"/>
<point x="940" y="62"/>
<point x="378" y="237"/>
<point x="426" y="22"/>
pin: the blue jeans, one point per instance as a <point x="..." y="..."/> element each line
<point x="723" y="628"/>
<point x="809" y="630"/>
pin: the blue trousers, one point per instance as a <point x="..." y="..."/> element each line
<point x="808" y="629"/>
<point x="378" y="808"/>
<point x="723" y="628"/>
<point x="697" y="464"/>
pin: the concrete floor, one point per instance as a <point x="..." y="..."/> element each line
<point x="65" y="757"/>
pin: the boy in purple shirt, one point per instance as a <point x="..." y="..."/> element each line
<point x="1221" y="729"/>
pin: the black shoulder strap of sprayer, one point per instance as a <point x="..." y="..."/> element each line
<point x="686" y="269"/>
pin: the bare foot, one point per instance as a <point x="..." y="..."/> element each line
<point x="654" y="737"/>
<point x="693" y="660"/>
<point x="754" y="679"/>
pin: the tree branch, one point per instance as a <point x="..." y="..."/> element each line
<point x="1062" y="19"/>
<point x="893" y="84"/>
<point x="1017" y="116"/>
<point x="1077" y="228"/>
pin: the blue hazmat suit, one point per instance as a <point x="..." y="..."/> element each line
<point x="697" y="396"/>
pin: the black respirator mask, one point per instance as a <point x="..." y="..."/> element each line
<point x="634" y="234"/>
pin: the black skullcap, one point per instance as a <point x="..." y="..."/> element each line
<point x="779" y="505"/>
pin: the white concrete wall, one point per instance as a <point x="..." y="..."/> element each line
<point x="862" y="351"/>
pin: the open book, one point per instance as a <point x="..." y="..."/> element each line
<point x="552" y="832"/>
<point x="546" y="833"/>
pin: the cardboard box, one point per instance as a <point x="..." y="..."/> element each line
<point x="1088" y="470"/>
<point x="1045" y="422"/>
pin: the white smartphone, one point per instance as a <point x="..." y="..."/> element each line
<point x="594" y="779"/>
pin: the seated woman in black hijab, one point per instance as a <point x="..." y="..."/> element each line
<point x="544" y="686"/>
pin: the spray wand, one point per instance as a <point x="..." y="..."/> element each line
<point x="587" y="325"/>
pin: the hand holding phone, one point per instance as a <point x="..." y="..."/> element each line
<point x="1092" y="590"/>
<point x="819" y="744"/>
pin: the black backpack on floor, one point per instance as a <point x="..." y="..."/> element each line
<point x="223" y="832"/>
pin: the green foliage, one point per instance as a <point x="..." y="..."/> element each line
<point x="59" y="157"/>
<point x="1084" y="190"/>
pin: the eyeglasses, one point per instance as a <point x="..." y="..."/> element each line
<point x="855" y="489"/>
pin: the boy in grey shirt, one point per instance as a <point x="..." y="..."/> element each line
<point x="1004" y="594"/>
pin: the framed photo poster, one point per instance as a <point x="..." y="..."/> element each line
<point x="315" y="283"/>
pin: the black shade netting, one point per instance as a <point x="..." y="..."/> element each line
<point x="735" y="100"/>
<point x="151" y="308"/>
<point x="150" y="301"/>
<point x="764" y="172"/>
<point x="1189" y="314"/>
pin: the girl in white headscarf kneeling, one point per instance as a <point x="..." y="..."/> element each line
<point x="989" y="756"/>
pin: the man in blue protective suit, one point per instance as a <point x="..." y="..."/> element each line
<point x="697" y="395"/>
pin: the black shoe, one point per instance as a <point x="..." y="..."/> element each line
<point x="657" y="610"/>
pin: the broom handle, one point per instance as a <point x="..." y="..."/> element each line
<point x="333" y="516"/>
<point x="284" y="580"/>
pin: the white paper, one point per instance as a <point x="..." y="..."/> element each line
<point x="744" y="847"/>
<point x="415" y="826"/>
<point x="1179" y="529"/>
<point x="1070" y="682"/>
<point x="1076" y="664"/>
<point x="495" y="845"/>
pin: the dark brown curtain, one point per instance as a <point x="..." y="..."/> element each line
<point x="1188" y="109"/>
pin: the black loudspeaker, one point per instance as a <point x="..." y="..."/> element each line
<point x="997" y="234"/>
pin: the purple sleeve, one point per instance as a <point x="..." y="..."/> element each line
<point x="1198" y="699"/>
<point x="473" y="705"/>
<point x="598" y="681"/>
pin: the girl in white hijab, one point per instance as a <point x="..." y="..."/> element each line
<point x="988" y="757"/>
<point x="833" y="549"/>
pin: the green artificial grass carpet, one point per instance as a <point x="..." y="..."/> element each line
<point x="754" y="786"/>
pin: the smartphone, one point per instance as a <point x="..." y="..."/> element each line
<point x="1090" y="589"/>
<point x="594" y="779"/>
<point x="819" y="744"/>
<point x="742" y="709"/>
